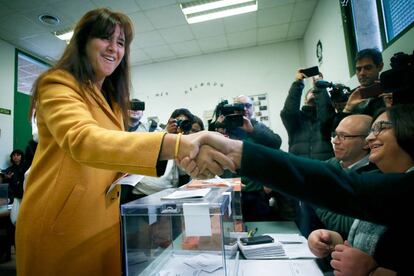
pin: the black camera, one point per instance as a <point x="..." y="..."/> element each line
<point x="184" y="125"/>
<point x="229" y="109"/>
<point x="233" y="115"/>
<point x="399" y="79"/>
<point x="137" y="105"/>
<point x="339" y="92"/>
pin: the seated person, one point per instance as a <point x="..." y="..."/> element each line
<point x="392" y="153"/>
<point x="351" y="154"/>
<point x="14" y="175"/>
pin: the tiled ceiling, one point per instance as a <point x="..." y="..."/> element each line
<point x="161" y="31"/>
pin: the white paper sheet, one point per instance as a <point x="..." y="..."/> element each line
<point x="192" y="193"/>
<point x="279" y="267"/>
<point x="126" y="179"/>
<point x="197" y="219"/>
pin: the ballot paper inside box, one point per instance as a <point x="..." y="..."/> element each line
<point x="170" y="232"/>
<point x="235" y="184"/>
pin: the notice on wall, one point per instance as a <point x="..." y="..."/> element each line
<point x="5" y="111"/>
<point x="260" y="108"/>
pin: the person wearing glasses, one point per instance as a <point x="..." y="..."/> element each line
<point x="392" y="150"/>
<point x="383" y="198"/>
<point x="351" y="154"/>
<point x="255" y="202"/>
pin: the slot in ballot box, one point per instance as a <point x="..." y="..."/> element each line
<point x="180" y="232"/>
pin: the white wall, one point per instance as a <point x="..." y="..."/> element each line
<point x="326" y="25"/>
<point x="7" y="52"/>
<point x="267" y="69"/>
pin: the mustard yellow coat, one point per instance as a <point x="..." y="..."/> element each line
<point x="67" y="224"/>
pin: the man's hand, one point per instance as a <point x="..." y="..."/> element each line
<point x="247" y="125"/>
<point x="322" y="242"/>
<point x="9" y="175"/>
<point x="299" y="75"/>
<point x="347" y="260"/>
<point x="353" y="100"/>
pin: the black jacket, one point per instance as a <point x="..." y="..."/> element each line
<point x="309" y="128"/>
<point x="377" y="197"/>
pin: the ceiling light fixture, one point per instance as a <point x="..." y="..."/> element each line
<point x="199" y="11"/>
<point x="49" y="20"/>
<point x="65" y="35"/>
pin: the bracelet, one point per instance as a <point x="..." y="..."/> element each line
<point x="177" y="145"/>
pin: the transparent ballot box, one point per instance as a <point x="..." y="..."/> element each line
<point x="168" y="233"/>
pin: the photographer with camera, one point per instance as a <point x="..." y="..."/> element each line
<point x="236" y="121"/>
<point x="309" y="131"/>
<point x="339" y="95"/>
<point x="180" y="121"/>
<point x="136" y="113"/>
<point x="309" y="127"/>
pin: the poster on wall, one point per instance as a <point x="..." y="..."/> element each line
<point x="260" y="108"/>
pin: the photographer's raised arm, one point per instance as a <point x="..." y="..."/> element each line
<point x="290" y="113"/>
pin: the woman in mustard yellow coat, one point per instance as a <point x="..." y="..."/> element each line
<point x="67" y="224"/>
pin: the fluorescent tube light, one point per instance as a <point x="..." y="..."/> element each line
<point x="217" y="9"/>
<point x="66" y="36"/>
<point x="194" y="7"/>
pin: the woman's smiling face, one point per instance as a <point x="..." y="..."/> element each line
<point x="383" y="144"/>
<point x="105" y="54"/>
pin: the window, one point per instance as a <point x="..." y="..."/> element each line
<point x="374" y="24"/>
<point x="28" y="69"/>
<point x="366" y="25"/>
<point x="398" y="16"/>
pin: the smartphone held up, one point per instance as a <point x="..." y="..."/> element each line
<point x="311" y="71"/>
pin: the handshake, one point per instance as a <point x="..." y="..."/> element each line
<point x="203" y="154"/>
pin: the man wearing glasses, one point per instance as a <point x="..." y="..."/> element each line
<point x="350" y="147"/>
<point x="351" y="154"/>
<point x="255" y="205"/>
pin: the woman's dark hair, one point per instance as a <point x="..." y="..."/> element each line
<point x="98" y="23"/>
<point x="402" y="119"/>
<point x="182" y="111"/>
<point x="16" y="151"/>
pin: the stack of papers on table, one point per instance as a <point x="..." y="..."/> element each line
<point x="272" y="250"/>
<point x="285" y="246"/>
<point x="295" y="245"/>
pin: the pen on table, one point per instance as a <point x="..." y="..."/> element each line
<point x="252" y="232"/>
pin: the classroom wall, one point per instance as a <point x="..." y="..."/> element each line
<point x="7" y="53"/>
<point x="267" y="69"/>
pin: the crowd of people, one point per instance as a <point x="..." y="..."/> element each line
<point x="347" y="175"/>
